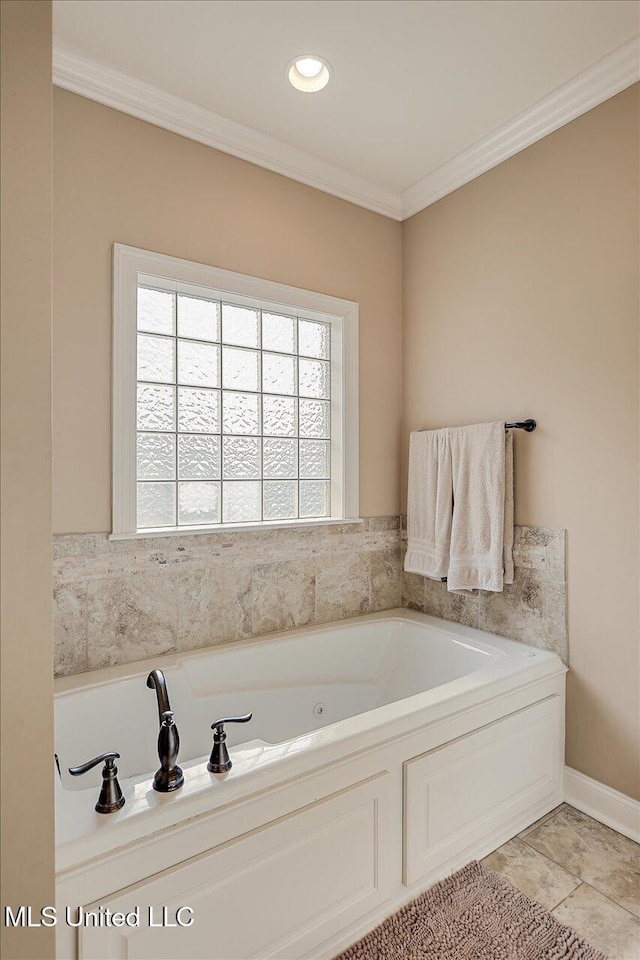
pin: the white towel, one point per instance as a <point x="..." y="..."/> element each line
<point x="479" y="466"/>
<point x="509" y="513"/>
<point x="429" y="504"/>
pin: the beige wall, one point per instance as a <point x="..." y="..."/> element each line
<point x="520" y="299"/>
<point x="26" y="669"/>
<point x="119" y="179"/>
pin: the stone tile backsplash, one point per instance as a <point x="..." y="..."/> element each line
<point x="125" y="600"/>
<point x="532" y="609"/>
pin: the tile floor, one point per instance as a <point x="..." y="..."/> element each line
<point x="586" y="874"/>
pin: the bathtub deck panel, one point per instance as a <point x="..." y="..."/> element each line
<point x="266" y="894"/>
<point x="435" y="744"/>
<point x="466" y="788"/>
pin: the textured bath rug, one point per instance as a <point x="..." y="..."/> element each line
<point x="473" y="915"/>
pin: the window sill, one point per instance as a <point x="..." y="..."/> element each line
<point x="234" y="527"/>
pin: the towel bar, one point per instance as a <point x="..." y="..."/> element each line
<point x="527" y="425"/>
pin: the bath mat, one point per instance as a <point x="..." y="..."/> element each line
<point x="472" y="915"/>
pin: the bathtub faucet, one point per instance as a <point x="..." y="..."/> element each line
<point x="156" y="681"/>
<point x="169" y="776"/>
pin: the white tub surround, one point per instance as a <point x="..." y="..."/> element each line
<point x="384" y="752"/>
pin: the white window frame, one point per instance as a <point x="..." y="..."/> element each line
<point x="130" y="265"/>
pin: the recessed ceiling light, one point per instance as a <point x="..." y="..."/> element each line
<point x="309" y="73"/>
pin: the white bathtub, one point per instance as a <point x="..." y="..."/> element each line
<point x="376" y="698"/>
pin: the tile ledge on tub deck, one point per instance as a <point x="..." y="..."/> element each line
<point x="231" y="527"/>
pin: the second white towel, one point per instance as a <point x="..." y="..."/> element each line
<point x="478" y="459"/>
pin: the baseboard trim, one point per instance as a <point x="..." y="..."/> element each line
<point x="609" y="806"/>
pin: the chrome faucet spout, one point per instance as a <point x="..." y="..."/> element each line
<point x="156" y="681"/>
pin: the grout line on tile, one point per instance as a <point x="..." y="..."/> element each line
<point x="578" y="881"/>
<point x="581" y="883"/>
<point x="614" y="902"/>
<point x="559" y="864"/>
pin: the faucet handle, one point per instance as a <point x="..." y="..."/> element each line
<point x="220" y="761"/>
<point x="218" y="726"/>
<point x="111" y="798"/>
<point x="90" y="764"/>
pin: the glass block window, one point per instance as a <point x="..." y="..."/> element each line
<point x="233" y="412"/>
<point x="235" y="400"/>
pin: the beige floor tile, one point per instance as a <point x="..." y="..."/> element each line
<point x="537" y="876"/>
<point x="603" y="923"/>
<point x="596" y="854"/>
<point x="538" y="823"/>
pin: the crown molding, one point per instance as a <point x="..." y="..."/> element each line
<point x="74" y="71"/>
<point x="598" y="83"/>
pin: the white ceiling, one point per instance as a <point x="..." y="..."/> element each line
<point x="415" y="81"/>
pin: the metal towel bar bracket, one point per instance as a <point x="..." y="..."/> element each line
<point x="527" y="425"/>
